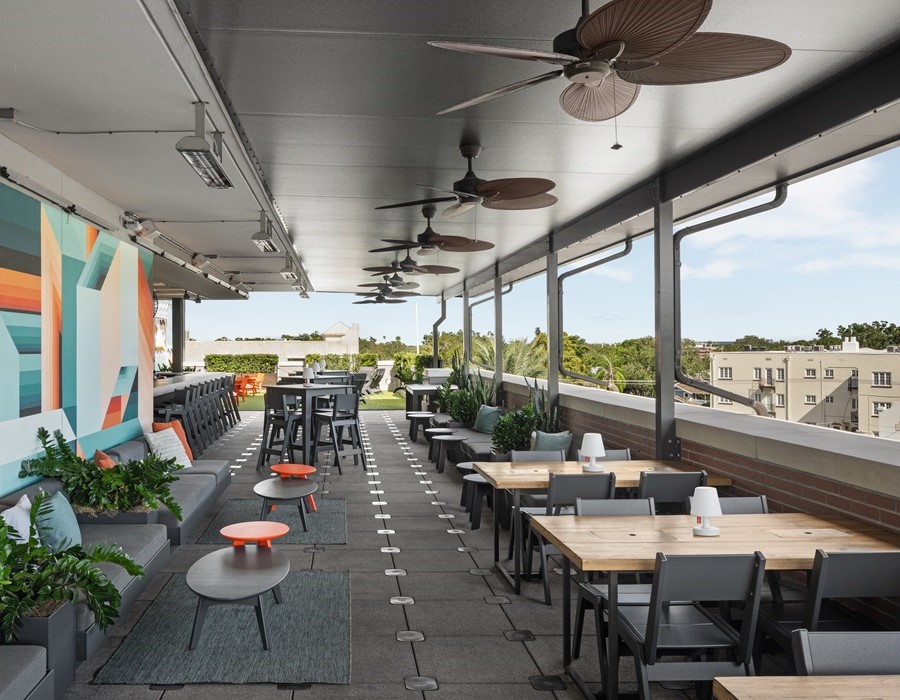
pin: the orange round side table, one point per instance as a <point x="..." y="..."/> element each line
<point x="260" y="531"/>
<point x="301" y="471"/>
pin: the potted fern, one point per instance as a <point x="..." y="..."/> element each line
<point x="130" y="492"/>
<point x="39" y="585"/>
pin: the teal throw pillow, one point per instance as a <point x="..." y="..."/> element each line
<point x="58" y="528"/>
<point x="552" y="441"/>
<point x="487" y="418"/>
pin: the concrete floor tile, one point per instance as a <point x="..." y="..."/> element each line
<point x="375" y="586"/>
<point x="218" y="691"/>
<point x="444" y="586"/>
<point x="378" y="660"/>
<point x="333" y="559"/>
<point x="457" y="618"/>
<point x="487" y="691"/>
<point x="475" y="660"/>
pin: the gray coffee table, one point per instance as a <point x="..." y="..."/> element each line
<point x="279" y="492"/>
<point x="237" y="575"/>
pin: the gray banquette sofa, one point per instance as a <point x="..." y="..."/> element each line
<point x="24" y="674"/>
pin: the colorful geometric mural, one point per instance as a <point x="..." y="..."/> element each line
<point x="76" y="327"/>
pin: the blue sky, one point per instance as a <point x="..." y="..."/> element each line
<point x="829" y="256"/>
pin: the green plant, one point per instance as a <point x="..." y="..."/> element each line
<point x="164" y="367"/>
<point x="34" y="580"/>
<point x="512" y="431"/>
<point x="137" y="483"/>
<point x="482" y="390"/>
<point x="368" y="359"/>
<point x="422" y="362"/>
<point x="242" y="364"/>
<point x="546" y="416"/>
<point x="404" y="367"/>
<point x="462" y="405"/>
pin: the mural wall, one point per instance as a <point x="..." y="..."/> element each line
<point x="76" y="333"/>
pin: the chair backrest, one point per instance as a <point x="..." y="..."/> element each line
<point x="609" y="506"/>
<point x="564" y="489"/>
<point x="739" y="505"/>
<point x="670" y="489"/>
<point x="850" y="575"/>
<point x="615" y="455"/>
<point x="846" y="653"/>
<point x="346" y="405"/>
<point x="273" y="401"/>
<point x="537" y="455"/>
<point x="707" y="578"/>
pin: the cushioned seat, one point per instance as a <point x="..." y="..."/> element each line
<point x="216" y="467"/>
<point x="140" y="542"/>
<point x="22" y="667"/>
<point x="190" y="491"/>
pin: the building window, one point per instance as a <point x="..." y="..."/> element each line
<point x="881" y="378"/>
<point x="854" y="372"/>
<point x="757" y="373"/>
<point x="725" y="373"/>
<point x="810" y="398"/>
<point x="853" y="404"/>
<point x="757" y="397"/>
<point x="829" y="399"/>
<point x="829" y="374"/>
<point x="879" y="406"/>
<point x="779" y="374"/>
<point x="723" y="400"/>
<point x="780" y="400"/>
<point x="810" y="373"/>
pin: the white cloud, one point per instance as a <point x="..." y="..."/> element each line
<point x="614" y="273"/>
<point x="714" y="270"/>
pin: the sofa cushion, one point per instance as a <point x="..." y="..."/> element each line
<point x="167" y="445"/>
<point x="59" y="528"/>
<point x="217" y="467"/>
<point x="541" y="441"/>
<point x="103" y="460"/>
<point x="179" y="431"/>
<point x="128" y="451"/>
<point x="486" y="418"/>
<point x="190" y="491"/>
<point x="22" y="667"/>
<point x="50" y="486"/>
<point x="18" y="519"/>
<point x="477" y="451"/>
<point x="140" y="542"/>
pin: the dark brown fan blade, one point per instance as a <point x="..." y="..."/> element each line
<point x="710" y="56"/>
<point x="515" y="187"/>
<point x="393" y="301"/>
<point x="537" y="202"/>
<point x="595" y="104"/>
<point x="366" y="301"/>
<point x="443" y="242"/>
<point x="379" y="270"/>
<point x="439" y="269"/>
<point x="407" y="285"/>
<point x="374" y="284"/>
<point x="504" y="52"/>
<point x="402" y="295"/>
<point x="505" y="90"/>
<point x="368" y="294"/>
<point x="417" y="203"/>
<point x="648" y="29"/>
<point x="470" y="247"/>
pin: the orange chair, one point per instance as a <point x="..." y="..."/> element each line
<point x="240" y="388"/>
<point x="253" y="384"/>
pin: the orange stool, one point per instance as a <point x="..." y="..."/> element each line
<point x="260" y="531"/>
<point x="301" y="471"/>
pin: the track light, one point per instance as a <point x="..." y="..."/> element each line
<point x="262" y="239"/>
<point x="304" y="294"/>
<point x="203" y="158"/>
<point x="288" y="271"/>
<point x="131" y="222"/>
<point x="148" y="231"/>
<point x="200" y="261"/>
<point x="298" y="287"/>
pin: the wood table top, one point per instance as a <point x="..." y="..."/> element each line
<point x="536" y="475"/>
<point x="629" y="543"/>
<point x="819" y="687"/>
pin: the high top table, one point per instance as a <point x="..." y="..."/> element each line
<point x="535" y="476"/>
<point x="629" y="544"/>
<point x="797" y="687"/>
<point x="306" y="392"/>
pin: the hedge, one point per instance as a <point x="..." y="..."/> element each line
<point x="368" y="359"/>
<point x="242" y="364"/>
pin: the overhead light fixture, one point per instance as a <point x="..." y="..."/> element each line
<point x="131" y="222"/>
<point x="298" y="287"/>
<point x="200" y="261"/>
<point x="304" y="294"/>
<point x="148" y="231"/>
<point x="262" y="239"/>
<point x="288" y="271"/>
<point x="206" y="160"/>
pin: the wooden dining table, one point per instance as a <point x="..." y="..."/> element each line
<point x="803" y="687"/>
<point x="629" y="544"/>
<point x="517" y="477"/>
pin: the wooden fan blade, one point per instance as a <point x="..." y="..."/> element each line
<point x="505" y="90"/>
<point x="367" y="301"/>
<point x="379" y="270"/>
<point x="407" y="285"/>
<point x="515" y="187"/>
<point x="373" y="284"/>
<point x="457" y="209"/>
<point x="648" y="29"/>
<point x="447" y="241"/>
<point x="710" y="56"/>
<point x="596" y="104"/>
<point x="470" y="247"/>
<point x="393" y="301"/>
<point x="537" y="202"/>
<point x="403" y="295"/>
<point x="439" y="269"/>
<point x="560" y="59"/>
<point x="416" y="203"/>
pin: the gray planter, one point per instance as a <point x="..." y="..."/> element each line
<point x="57" y="635"/>
<point x="119" y="518"/>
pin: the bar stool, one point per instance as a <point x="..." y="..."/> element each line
<point x="479" y="489"/>
<point x="465" y="468"/>
<point x="416" y="419"/>
<point x="343" y="416"/>
<point x="430" y="434"/>
<point x="444" y="445"/>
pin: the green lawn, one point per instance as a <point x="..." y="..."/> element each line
<point x="374" y="402"/>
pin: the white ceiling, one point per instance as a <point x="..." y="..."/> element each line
<point x="338" y="101"/>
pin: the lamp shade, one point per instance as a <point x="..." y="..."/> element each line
<point x="321" y="364"/>
<point x="592" y="445"/>
<point x="308" y="373"/>
<point x="706" y="502"/>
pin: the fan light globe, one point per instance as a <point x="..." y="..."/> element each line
<point x="705" y="505"/>
<point x="308" y="374"/>
<point x="592" y="448"/>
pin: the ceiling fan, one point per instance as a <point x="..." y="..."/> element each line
<point x="379" y="298"/>
<point x="392" y="282"/>
<point x="408" y="266"/>
<point x="628" y="43"/>
<point x="512" y="193"/>
<point x="430" y="242"/>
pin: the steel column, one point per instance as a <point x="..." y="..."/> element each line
<point x="467" y="329"/>
<point x="554" y="333"/>
<point x="435" y="330"/>
<point x="178" y="337"/>
<point x="498" y="339"/>
<point x="664" y="268"/>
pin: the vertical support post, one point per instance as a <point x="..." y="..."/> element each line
<point x="553" y="329"/>
<point x="178" y="337"/>
<point x="498" y="339"/>
<point x="435" y="331"/>
<point x="467" y="328"/>
<point x="667" y="446"/>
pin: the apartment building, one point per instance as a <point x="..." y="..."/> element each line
<point x="843" y="386"/>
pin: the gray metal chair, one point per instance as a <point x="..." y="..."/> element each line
<point x="613" y="455"/>
<point x="846" y="653"/>
<point x="530" y="501"/>
<point x="343" y="416"/>
<point x="669" y="490"/>
<point x="562" y="493"/>
<point x="660" y="635"/>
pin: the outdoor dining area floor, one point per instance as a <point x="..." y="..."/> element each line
<point x="480" y="640"/>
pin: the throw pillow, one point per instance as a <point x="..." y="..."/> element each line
<point x="165" y="444"/>
<point x="103" y="460"/>
<point x="59" y="528"/>
<point x="552" y="441"/>
<point x="18" y="520"/>
<point x="179" y="431"/>
<point x="487" y="418"/>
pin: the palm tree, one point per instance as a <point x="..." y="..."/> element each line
<point x="520" y="356"/>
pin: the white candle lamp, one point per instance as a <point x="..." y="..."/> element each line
<point x="308" y="374"/>
<point x="592" y="448"/>
<point x="705" y="505"/>
<point x="321" y="364"/>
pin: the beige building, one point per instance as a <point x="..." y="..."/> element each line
<point x="843" y="387"/>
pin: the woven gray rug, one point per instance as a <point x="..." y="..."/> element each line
<point x="326" y="526"/>
<point x="309" y="635"/>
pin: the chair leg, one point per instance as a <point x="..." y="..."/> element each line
<point x="640" y="671"/>
<point x="580" y="611"/>
<point x="601" y="641"/>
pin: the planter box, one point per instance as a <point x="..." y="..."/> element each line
<point x="121" y="518"/>
<point x="57" y="635"/>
